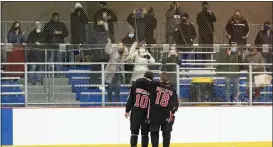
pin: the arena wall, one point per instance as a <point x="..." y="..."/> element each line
<point x="194" y="127"/>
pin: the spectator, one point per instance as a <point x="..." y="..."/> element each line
<point x="16" y="37"/>
<point x="173" y="16"/>
<point x="232" y="55"/>
<point x="265" y="36"/>
<point x="108" y="18"/>
<point x="151" y="23"/>
<point x="55" y="32"/>
<point x="98" y="41"/>
<point x="138" y="20"/>
<point x="78" y="23"/>
<point x="184" y="35"/>
<point x="255" y="56"/>
<point x="35" y="40"/>
<point x="237" y="29"/>
<point x="128" y="41"/>
<point x="171" y="57"/>
<point x="141" y="58"/>
<point x="205" y="20"/>
<point x="118" y="54"/>
<point x="185" y="32"/>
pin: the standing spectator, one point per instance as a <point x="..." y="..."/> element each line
<point x="265" y="36"/>
<point x="232" y="55"/>
<point x="35" y="40"/>
<point x="114" y="79"/>
<point x="108" y="17"/>
<point x="255" y="56"/>
<point x="98" y="41"/>
<point x="171" y="57"/>
<point x="151" y="23"/>
<point x="184" y="35"/>
<point x="77" y="26"/>
<point x="173" y="16"/>
<point x="138" y="20"/>
<point x="237" y="29"/>
<point x="141" y="58"/>
<point x="55" y="32"/>
<point x="16" y="37"/>
<point x="205" y="20"/>
<point x="128" y="42"/>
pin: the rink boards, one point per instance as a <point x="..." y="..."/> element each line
<point x="103" y="127"/>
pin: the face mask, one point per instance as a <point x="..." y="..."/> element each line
<point x="234" y="50"/>
<point x="131" y="35"/>
<point x="38" y="30"/>
<point x="266" y="28"/>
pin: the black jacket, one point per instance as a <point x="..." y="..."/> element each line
<point x="171" y="59"/>
<point x="35" y="54"/>
<point x="51" y="27"/>
<point x="151" y="23"/>
<point x="99" y="15"/>
<point x="127" y="41"/>
<point x="77" y="26"/>
<point x="185" y="34"/>
<point x="205" y="22"/>
<point x="237" y="31"/>
<point x="263" y="38"/>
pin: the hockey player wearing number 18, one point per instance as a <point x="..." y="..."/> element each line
<point x="163" y="105"/>
<point x="138" y="105"/>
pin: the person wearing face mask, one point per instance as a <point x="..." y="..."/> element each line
<point x="97" y="41"/>
<point x="113" y="78"/>
<point x="141" y="58"/>
<point x="171" y="57"/>
<point x="55" y="33"/>
<point x="255" y="56"/>
<point x="265" y="36"/>
<point x="109" y="17"/>
<point x="128" y="41"/>
<point x="237" y="29"/>
<point x="231" y="55"/>
<point x="35" y="40"/>
<point x="205" y="20"/>
<point x="173" y="18"/>
<point x="16" y="37"/>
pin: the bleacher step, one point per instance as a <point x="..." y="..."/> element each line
<point x="45" y="88"/>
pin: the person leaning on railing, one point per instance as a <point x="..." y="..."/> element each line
<point x="113" y="78"/>
<point x="231" y="55"/>
<point x="255" y="56"/>
<point x="171" y="57"/>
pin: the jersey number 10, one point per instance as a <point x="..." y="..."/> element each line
<point x="141" y="101"/>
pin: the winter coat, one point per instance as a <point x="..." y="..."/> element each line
<point x="232" y="58"/>
<point x="139" y="69"/>
<point x="185" y="34"/>
<point x="172" y="22"/>
<point x="237" y="31"/>
<point x="77" y="26"/>
<point x="205" y="22"/>
<point x="13" y="38"/>
<point x="99" y="16"/>
<point x="256" y="58"/>
<point x="36" y="54"/>
<point x="98" y="41"/>
<point x="151" y="24"/>
<point x="115" y="57"/>
<point x="171" y="59"/>
<point x="49" y="30"/>
<point x="263" y="38"/>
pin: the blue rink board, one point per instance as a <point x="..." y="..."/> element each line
<point x="6" y="126"/>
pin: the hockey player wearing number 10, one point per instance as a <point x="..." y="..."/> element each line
<point x="138" y="104"/>
<point x="163" y="105"/>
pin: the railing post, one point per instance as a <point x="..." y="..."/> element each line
<point x="53" y="81"/>
<point x="26" y="86"/>
<point x="177" y="80"/>
<point x="250" y="84"/>
<point x="103" y="84"/>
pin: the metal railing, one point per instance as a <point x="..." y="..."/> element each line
<point x="97" y="96"/>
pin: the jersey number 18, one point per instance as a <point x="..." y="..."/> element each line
<point x="162" y="99"/>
